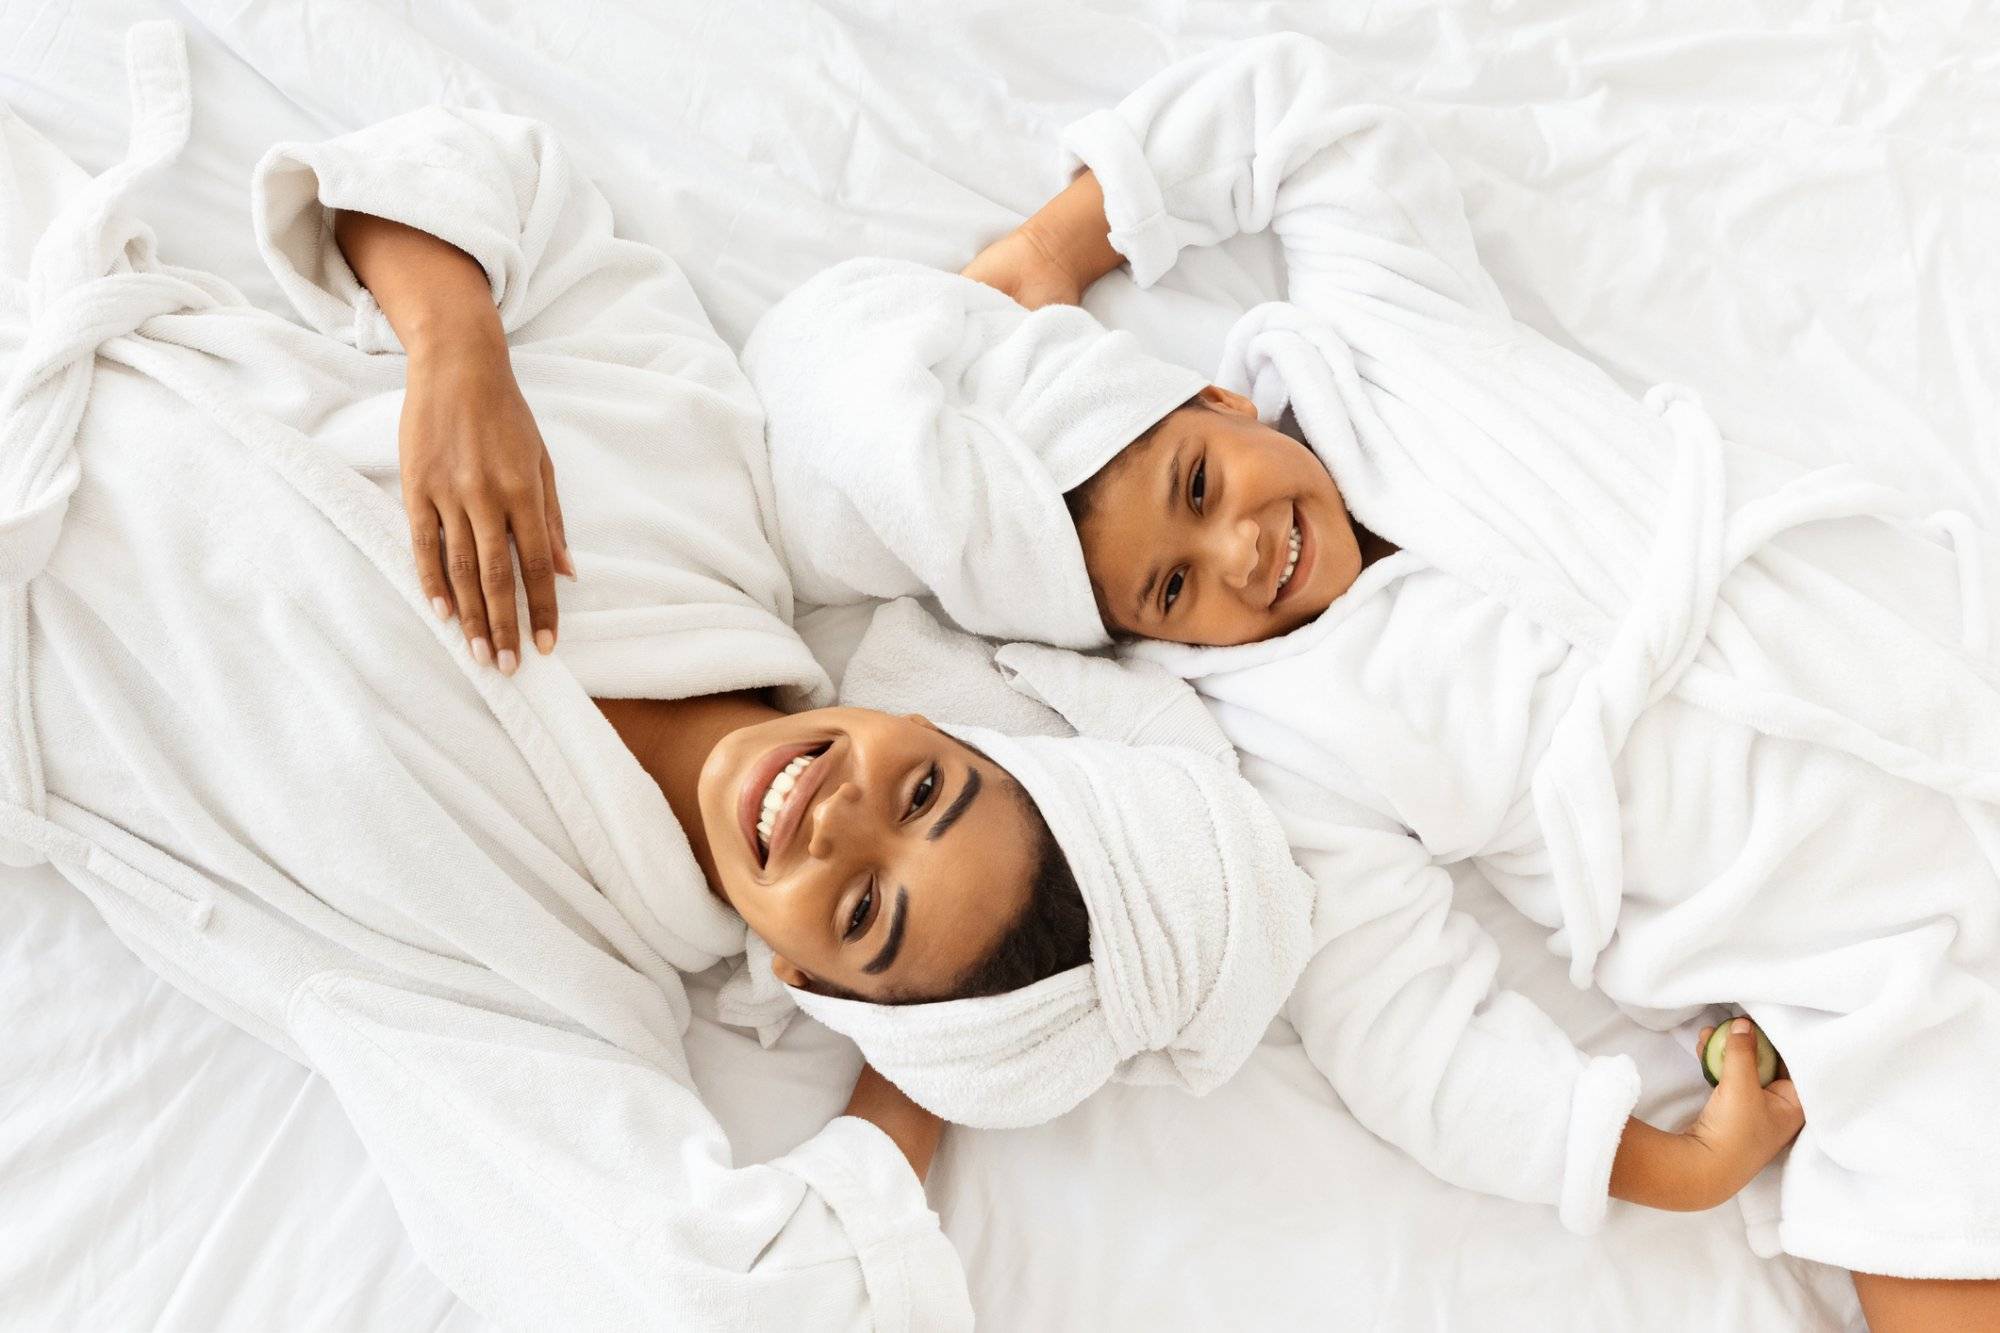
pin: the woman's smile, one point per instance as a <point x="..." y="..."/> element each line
<point x="776" y="792"/>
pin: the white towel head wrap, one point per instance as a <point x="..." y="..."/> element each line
<point x="1200" y="923"/>
<point x="923" y="431"/>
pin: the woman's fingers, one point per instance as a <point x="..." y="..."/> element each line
<point x="558" y="537"/>
<point x="496" y="581"/>
<point x="532" y="546"/>
<point x="427" y="545"/>
<point x="1701" y="1042"/>
<point x="461" y="567"/>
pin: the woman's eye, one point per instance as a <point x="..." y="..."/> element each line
<point x="1173" y="591"/>
<point x="926" y="788"/>
<point x="859" y="918"/>
<point x="1198" y="485"/>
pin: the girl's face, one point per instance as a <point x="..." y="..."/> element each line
<point x="872" y="853"/>
<point x="1216" y="529"/>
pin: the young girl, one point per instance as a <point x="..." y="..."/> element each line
<point x="1725" y="728"/>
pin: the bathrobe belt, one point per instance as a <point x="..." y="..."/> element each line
<point x="1652" y="654"/>
<point x="91" y="279"/>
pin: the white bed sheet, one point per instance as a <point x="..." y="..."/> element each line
<point x="1790" y="210"/>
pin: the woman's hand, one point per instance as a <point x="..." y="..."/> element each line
<point x="1053" y="257"/>
<point x="1743" y="1126"/>
<point x="475" y="475"/>
<point x="477" y="484"/>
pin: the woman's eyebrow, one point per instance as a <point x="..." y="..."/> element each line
<point x="894" y="944"/>
<point x="950" y="816"/>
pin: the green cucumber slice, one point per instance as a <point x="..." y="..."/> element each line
<point x="1718" y="1042"/>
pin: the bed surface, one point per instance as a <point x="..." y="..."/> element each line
<point x="1791" y="211"/>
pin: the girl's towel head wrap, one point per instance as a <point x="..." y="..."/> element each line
<point x="924" y="429"/>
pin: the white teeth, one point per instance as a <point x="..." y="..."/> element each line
<point x="774" y="798"/>
<point x="1292" y="561"/>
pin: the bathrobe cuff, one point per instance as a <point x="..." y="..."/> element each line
<point x="1141" y="228"/>
<point x="1607" y="1088"/>
<point x="912" y="1273"/>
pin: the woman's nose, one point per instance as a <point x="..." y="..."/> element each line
<point x="828" y="818"/>
<point x="1236" y="553"/>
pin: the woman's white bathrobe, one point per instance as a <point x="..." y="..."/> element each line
<point x="1731" y="731"/>
<point x="233" y="722"/>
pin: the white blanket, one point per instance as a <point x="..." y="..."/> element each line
<point x="235" y="725"/>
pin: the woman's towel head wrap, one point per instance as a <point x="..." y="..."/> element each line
<point x="923" y="431"/>
<point x="1199" y="920"/>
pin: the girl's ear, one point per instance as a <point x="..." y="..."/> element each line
<point x="789" y="972"/>
<point x="1222" y="400"/>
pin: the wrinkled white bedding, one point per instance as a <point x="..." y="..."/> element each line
<point x="1796" y="219"/>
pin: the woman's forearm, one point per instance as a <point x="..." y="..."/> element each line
<point x="1663" y="1170"/>
<point x="909" y="1126"/>
<point x="433" y="293"/>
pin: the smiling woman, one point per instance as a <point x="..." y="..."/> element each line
<point x="880" y="858"/>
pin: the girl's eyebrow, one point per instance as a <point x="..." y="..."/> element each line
<point x="1172" y="498"/>
<point x="950" y="816"/>
<point x="894" y="944"/>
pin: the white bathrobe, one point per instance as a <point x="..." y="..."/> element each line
<point x="1730" y="730"/>
<point x="233" y="722"/>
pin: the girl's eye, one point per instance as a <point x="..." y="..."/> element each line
<point x="1198" y="485"/>
<point x="860" y="917"/>
<point x="926" y="788"/>
<point x="1173" y="589"/>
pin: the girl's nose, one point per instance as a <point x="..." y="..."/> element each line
<point x="1236" y="554"/>
<point x="823" y="825"/>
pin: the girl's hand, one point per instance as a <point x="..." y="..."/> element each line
<point x="1743" y="1126"/>
<point x="1053" y="257"/>
<point x="1022" y="267"/>
<point x="480" y="492"/>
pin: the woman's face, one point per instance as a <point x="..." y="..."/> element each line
<point x="872" y="853"/>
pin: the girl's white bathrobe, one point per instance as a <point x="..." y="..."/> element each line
<point x="232" y="720"/>
<point x="1730" y="730"/>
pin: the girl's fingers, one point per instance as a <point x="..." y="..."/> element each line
<point x="427" y="545"/>
<point x="461" y="567"/>
<point x="538" y="571"/>
<point x="1701" y="1042"/>
<point x="552" y="503"/>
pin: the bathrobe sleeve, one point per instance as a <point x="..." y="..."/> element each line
<point x="1398" y="1008"/>
<point x="503" y="189"/>
<point x="1280" y="133"/>
<point x="655" y="434"/>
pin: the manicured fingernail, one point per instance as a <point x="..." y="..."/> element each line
<point x="442" y="607"/>
<point x="508" y="661"/>
<point x="481" y="652"/>
<point x="1740" y="1025"/>
<point x="545" y="641"/>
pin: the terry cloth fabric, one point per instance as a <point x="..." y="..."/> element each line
<point x="1728" y="728"/>
<point x="233" y="723"/>
<point x="1199" y="921"/>
<point x="923" y="431"/>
